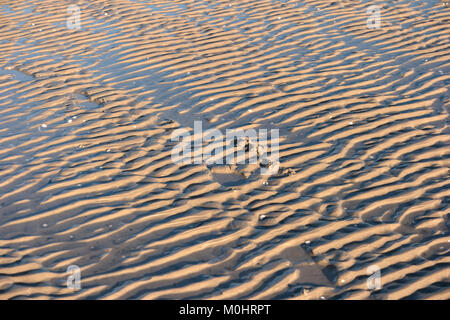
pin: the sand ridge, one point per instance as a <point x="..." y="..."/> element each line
<point x="87" y="179"/>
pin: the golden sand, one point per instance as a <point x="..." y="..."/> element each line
<point x="87" y="179"/>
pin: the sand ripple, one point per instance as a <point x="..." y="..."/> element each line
<point x="86" y="176"/>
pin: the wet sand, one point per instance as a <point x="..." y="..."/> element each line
<point x="87" y="179"/>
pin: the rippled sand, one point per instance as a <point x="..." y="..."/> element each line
<point x="86" y="176"/>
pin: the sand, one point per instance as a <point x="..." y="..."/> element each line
<point x="87" y="179"/>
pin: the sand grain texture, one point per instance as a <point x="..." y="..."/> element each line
<point x="86" y="176"/>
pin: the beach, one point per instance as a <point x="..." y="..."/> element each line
<point x="354" y="204"/>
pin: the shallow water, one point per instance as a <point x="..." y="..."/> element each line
<point x="87" y="179"/>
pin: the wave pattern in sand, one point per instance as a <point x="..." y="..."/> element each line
<point x="86" y="176"/>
